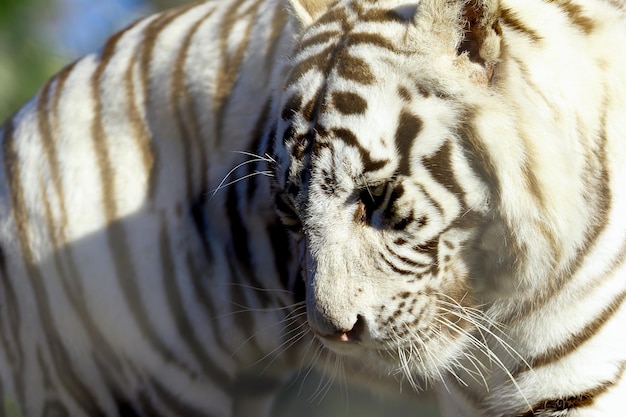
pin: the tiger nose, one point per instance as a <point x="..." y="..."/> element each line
<point x="332" y="333"/>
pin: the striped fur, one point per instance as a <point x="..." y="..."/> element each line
<point x="446" y="175"/>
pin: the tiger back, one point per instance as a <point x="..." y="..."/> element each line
<point x="425" y="191"/>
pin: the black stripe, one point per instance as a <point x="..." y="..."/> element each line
<point x="513" y="21"/>
<point x="319" y="39"/>
<point x="73" y="288"/>
<point x="199" y="281"/>
<point x="373" y="39"/>
<point x="175" y="404"/>
<point x="127" y="279"/>
<point x="585" y="399"/>
<point x="395" y="268"/>
<point x="238" y="231"/>
<point x="45" y="370"/>
<point x="116" y="235"/>
<point x="176" y="306"/>
<point x="430" y="248"/>
<point x="477" y="154"/>
<point x="60" y="357"/>
<point x="243" y="317"/>
<point x="409" y="126"/>
<point x="230" y="63"/>
<point x="277" y="28"/>
<point x="147" y="407"/>
<point x="383" y="16"/>
<point x="12" y="322"/>
<point x="430" y="199"/>
<point x="144" y="56"/>
<point x="350" y="139"/>
<point x="241" y="268"/>
<point x="125" y="408"/>
<point x="440" y="167"/>
<point x="404" y="259"/>
<point x="71" y="282"/>
<point x="576" y="15"/>
<point x="281" y="249"/>
<point x="257" y="136"/>
<point x="185" y="115"/>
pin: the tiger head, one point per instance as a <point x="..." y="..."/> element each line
<point x="381" y="174"/>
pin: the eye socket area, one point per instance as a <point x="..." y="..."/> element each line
<point x="287" y="213"/>
<point x="372" y="198"/>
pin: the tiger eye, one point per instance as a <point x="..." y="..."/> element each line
<point x="378" y="190"/>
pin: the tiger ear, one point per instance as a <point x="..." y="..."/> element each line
<point x="305" y="12"/>
<point x="481" y="34"/>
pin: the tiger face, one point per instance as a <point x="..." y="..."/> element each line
<point x="374" y="177"/>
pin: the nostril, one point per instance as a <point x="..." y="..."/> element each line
<point x="353" y="335"/>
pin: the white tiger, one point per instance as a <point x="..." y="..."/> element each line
<point x="449" y="172"/>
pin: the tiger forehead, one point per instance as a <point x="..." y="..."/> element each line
<point x="367" y="11"/>
<point x="336" y="160"/>
<point x="326" y="44"/>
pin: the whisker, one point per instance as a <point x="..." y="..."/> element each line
<point x="255" y="158"/>
<point x="458" y="365"/>
<point x="286" y="345"/>
<point x="265" y="157"/>
<point x="294" y="336"/>
<point x="260" y="289"/>
<point x="314" y="359"/>
<point x="252" y="174"/>
<point x="488" y="352"/>
<point x="247" y="309"/>
<point x="475" y="318"/>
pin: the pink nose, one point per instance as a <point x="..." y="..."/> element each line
<point x="352" y="335"/>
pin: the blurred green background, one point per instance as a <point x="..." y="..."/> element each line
<point x="38" y="38"/>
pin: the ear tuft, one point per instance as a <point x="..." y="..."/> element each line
<point x="481" y="40"/>
<point x="305" y="12"/>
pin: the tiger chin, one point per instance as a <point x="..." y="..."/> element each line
<point x="450" y="172"/>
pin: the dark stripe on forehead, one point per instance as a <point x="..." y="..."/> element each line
<point x="347" y="102"/>
<point x="350" y="139"/>
<point x="318" y="39"/>
<point x="333" y="15"/>
<point x="383" y="16"/>
<point x="354" y="69"/>
<point x="292" y="106"/>
<point x="315" y="62"/>
<point x="364" y="38"/>
<point x="409" y="127"/>
<point x="314" y="107"/>
<point x="405" y="94"/>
